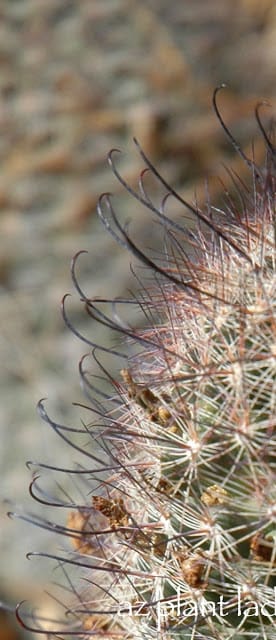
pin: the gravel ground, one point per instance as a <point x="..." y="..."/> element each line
<point x="79" y="78"/>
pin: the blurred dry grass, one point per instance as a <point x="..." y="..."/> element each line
<point x="77" y="79"/>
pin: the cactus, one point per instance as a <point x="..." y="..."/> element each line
<point x="174" y="536"/>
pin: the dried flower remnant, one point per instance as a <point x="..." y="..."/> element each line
<point x="175" y="535"/>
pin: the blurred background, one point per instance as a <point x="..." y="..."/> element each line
<point x="76" y="79"/>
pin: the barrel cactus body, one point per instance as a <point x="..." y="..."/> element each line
<point x="175" y="535"/>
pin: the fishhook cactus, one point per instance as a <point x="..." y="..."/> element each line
<point x="174" y="536"/>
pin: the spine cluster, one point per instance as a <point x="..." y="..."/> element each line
<point x="175" y="535"/>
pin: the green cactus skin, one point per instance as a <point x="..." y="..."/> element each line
<point x="175" y="534"/>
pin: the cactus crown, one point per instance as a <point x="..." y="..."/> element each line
<point x="175" y="534"/>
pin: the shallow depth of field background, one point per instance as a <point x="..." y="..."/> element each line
<point x="76" y="79"/>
